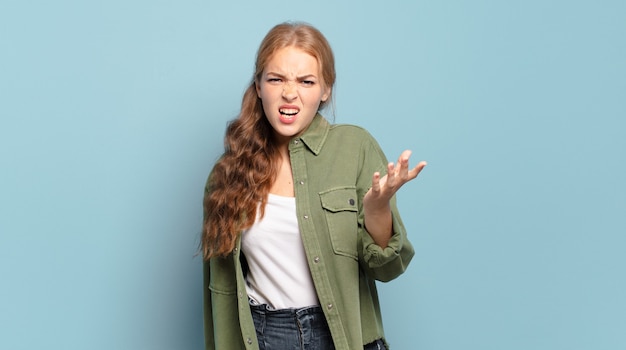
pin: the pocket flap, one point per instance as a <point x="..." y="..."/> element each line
<point x="339" y="199"/>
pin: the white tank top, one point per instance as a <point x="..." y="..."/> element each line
<point x="278" y="271"/>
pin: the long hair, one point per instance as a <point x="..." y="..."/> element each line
<point x="244" y="174"/>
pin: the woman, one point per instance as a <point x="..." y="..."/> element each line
<point x="299" y="215"/>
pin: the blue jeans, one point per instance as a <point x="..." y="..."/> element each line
<point x="377" y="345"/>
<point x="295" y="329"/>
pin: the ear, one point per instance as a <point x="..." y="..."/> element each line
<point x="258" y="88"/>
<point x="326" y="94"/>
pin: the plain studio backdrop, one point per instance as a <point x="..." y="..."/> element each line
<point x="113" y="113"/>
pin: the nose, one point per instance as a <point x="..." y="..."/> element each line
<point x="290" y="91"/>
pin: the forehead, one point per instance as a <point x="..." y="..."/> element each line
<point x="293" y="61"/>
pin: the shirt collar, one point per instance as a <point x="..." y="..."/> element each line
<point x="315" y="135"/>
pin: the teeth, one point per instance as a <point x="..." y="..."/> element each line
<point x="288" y="111"/>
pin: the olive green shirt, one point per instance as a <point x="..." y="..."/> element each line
<point x="332" y="170"/>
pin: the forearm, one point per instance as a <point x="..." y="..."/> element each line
<point x="376" y="202"/>
<point x="378" y="223"/>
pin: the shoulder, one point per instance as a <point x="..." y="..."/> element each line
<point x="350" y="131"/>
<point x="352" y="140"/>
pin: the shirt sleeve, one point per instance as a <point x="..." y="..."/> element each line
<point x="383" y="264"/>
<point x="209" y="339"/>
<point x="208" y="313"/>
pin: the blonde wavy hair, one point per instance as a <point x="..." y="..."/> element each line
<point x="245" y="172"/>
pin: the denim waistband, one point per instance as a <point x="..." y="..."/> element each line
<point x="299" y="328"/>
<point x="270" y="321"/>
<point x="292" y="312"/>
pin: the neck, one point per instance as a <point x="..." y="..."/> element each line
<point x="282" y="145"/>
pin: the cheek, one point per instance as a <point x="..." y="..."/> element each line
<point x="266" y="106"/>
<point x="268" y="92"/>
<point x="313" y="98"/>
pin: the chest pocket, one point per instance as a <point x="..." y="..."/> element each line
<point x="341" y="211"/>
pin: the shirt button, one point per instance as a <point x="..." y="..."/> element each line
<point x="301" y="182"/>
<point x="351" y="201"/>
<point x="249" y="340"/>
<point x="316" y="259"/>
<point x="295" y="142"/>
<point x="329" y="306"/>
<point x="306" y="216"/>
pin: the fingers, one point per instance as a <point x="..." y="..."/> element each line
<point x="397" y="175"/>
<point x="401" y="173"/>
<point x="401" y="170"/>
<point x="376" y="182"/>
<point x="405" y="155"/>
<point x="403" y="163"/>
<point x="418" y="168"/>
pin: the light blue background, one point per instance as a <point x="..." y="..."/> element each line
<point x="113" y="112"/>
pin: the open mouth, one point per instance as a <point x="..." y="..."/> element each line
<point x="288" y="111"/>
<point x="288" y="115"/>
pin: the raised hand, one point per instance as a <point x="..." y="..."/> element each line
<point x="383" y="188"/>
<point x="376" y="201"/>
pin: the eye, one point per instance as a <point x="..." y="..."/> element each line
<point x="273" y="80"/>
<point x="308" y="82"/>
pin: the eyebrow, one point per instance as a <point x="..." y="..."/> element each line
<point x="306" y="76"/>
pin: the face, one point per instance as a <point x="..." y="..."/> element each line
<point x="291" y="89"/>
